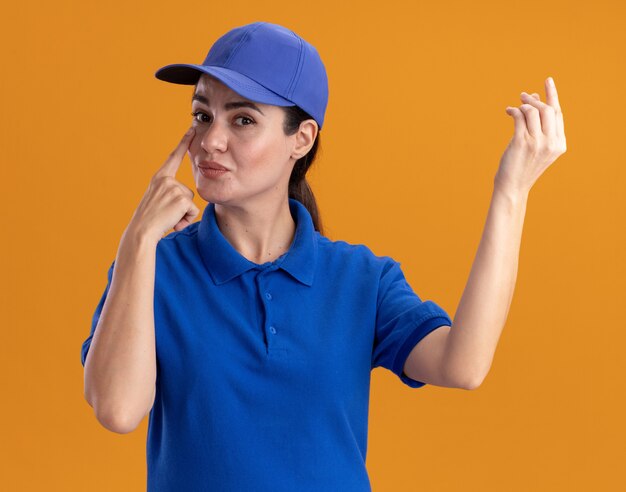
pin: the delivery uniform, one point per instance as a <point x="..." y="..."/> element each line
<point x="263" y="370"/>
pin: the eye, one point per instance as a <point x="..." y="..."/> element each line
<point x="246" y="118"/>
<point x="195" y="115"/>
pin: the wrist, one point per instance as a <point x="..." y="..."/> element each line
<point x="139" y="236"/>
<point x="514" y="193"/>
<point x="511" y="198"/>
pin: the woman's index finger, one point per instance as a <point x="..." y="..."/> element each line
<point x="552" y="97"/>
<point x="172" y="163"/>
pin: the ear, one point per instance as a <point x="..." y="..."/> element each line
<point x="305" y="137"/>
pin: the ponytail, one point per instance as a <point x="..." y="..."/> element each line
<point x="299" y="188"/>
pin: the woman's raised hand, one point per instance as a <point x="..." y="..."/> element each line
<point x="538" y="140"/>
<point x="167" y="203"/>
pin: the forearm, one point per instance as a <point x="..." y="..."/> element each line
<point x="484" y="305"/>
<point x="120" y="369"/>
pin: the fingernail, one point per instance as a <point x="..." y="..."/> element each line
<point x="550" y="81"/>
<point x="190" y="131"/>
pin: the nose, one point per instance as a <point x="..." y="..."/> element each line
<point x="213" y="137"/>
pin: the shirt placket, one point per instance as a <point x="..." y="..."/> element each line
<point x="274" y="344"/>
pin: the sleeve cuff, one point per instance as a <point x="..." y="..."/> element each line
<point x="422" y="329"/>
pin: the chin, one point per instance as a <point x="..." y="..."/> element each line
<point x="210" y="196"/>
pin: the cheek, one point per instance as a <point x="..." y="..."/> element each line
<point x="194" y="149"/>
<point x="265" y="152"/>
<point x="253" y="158"/>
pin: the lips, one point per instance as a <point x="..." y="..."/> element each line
<point x="212" y="165"/>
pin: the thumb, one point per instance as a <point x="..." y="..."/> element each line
<point x="188" y="218"/>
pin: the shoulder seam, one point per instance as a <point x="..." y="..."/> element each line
<point x="190" y="230"/>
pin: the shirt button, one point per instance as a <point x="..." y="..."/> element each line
<point x="268" y="295"/>
<point x="273" y="330"/>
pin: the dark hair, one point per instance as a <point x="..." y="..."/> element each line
<point x="299" y="188"/>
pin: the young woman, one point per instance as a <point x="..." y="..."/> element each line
<point x="248" y="336"/>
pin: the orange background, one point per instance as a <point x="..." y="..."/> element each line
<point x="414" y="131"/>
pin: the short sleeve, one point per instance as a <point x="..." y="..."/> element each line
<point x="402" y="320"/>
<point x="96" y="317"/>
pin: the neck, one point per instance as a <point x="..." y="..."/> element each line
<point x="260" y="232"/>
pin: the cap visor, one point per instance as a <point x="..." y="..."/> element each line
<point x="188" y="74"/>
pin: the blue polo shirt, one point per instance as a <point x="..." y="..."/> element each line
<point x="263" y="370"/>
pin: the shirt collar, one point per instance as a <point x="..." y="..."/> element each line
<point x="224" y="262"/>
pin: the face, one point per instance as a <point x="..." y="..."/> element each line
<point x="248" y="142"/>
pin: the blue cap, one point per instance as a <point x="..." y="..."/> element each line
<point x="263" y="62"/>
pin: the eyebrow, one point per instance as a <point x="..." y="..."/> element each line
<point x="229" y="105"/>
